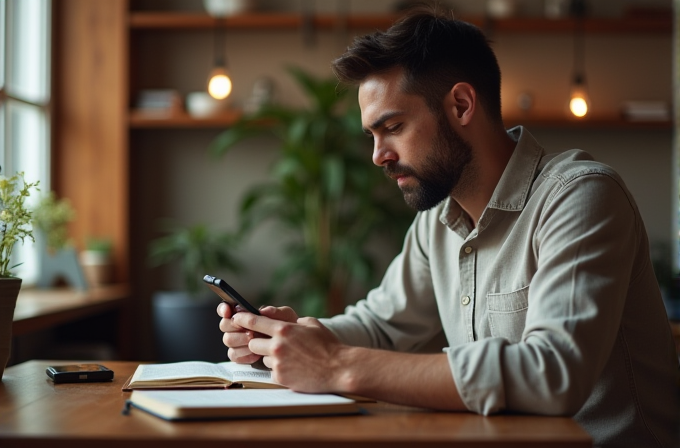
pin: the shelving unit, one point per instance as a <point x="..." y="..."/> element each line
<point x="174" y="21"/>
<point x="264" y="21"/>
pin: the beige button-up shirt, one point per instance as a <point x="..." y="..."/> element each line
<point x="549" y="306"/>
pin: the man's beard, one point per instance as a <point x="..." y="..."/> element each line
<point x="441" y="170"/>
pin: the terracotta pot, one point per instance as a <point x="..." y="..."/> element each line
<point x="9" y="291"/>
<point x="96" y="266"/>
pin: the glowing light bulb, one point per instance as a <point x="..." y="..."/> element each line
<point x="578" y="102"/>
<point x="578" y="106"/>
<point x="219" y="84"/>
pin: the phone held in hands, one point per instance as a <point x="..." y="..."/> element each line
<point x="229" y="294"/>
<point x="233" y="298"/>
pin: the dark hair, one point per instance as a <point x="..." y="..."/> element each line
<point x="435" y="51"/>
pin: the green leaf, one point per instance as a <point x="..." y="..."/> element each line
<point x="334" y="177"/>
<point x="198" y="250"/>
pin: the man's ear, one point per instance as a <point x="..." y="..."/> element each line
<point x="461" y="102"/>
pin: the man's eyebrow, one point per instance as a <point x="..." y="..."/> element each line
<point x="381" y="120"/>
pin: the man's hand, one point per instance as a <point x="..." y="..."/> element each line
<point x="307" y="357"/>
<point x="237" y="338"/>
<point x="303" y="356"/>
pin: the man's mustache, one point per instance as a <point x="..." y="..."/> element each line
<point x="394" y="170"/>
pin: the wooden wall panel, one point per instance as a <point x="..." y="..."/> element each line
<point x="90" y="138"/>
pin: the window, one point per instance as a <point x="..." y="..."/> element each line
<point x="25" y="104"/>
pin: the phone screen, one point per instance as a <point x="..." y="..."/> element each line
<point x="78" y="368"/>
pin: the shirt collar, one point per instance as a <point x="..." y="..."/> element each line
<point x="513" y="187"/>
<point x="515" y="184"/>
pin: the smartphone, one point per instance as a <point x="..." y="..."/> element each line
<point x="79" y="373"/>
<point x="229" y="294"/>
<point x="233" y="298"/>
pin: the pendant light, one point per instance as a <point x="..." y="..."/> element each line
<point x="219" y="81"/>
<point x="579" y="102"/>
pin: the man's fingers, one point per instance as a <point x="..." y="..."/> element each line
<point x="259" y="324"/>
<point x="224" y="310"/>
<point x="309" y="321"/>
<point x="242" y="355"/>
<point x="237" y="339"/>
<point x="261" y="346"/>
<point x="227" y="325"/>
<point x="284" y="313"/>
<point x="266" y="360"/>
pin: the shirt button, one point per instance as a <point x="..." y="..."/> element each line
<point x="465" y="300"/>
<point x="468" y="249"/>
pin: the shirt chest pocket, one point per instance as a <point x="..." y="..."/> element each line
<point x="508" y="313"/>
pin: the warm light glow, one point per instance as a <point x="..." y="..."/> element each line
<point x="578" y="100"/>
<point x="219" y="84"/>
<point x="578" y="106"/>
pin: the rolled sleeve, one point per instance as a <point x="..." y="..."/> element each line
<point x="478" y="373"/>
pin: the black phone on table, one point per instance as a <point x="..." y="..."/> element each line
<point x="79" y="373"/>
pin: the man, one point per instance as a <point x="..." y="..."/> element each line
<point x="535" y="267"/>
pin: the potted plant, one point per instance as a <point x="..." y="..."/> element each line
<point x="58" y="258"/>
<point x="324" y="191"/>
<point x="96" y="261"/>
<point x="185" y="322"/>
<point x="15" y="220"/>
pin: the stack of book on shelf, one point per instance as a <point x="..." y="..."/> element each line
<point x="646" y="110"/>
<point x="186" y="391"/>
<point x="158" y="103"/>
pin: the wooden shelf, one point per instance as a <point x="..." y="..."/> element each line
<point x="280" y="21"/>
<point x="176" y="21"/>
<point x="144" y="120"/>
<point x="595" y="25"/>
<point x="588" y="122"/>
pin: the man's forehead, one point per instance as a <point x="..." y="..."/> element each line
<point x="380" y="91"/>
<point x="381" y="83"/>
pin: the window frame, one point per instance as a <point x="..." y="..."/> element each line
<point x="14" y="104"/>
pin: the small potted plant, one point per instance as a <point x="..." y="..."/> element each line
<point x="58" y="259"/>
<point x="185" y="322"/>
<point x="96" y="261"/>
<point x="15" y="226"/>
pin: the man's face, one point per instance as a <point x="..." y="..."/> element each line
<point x="417" y="148"/>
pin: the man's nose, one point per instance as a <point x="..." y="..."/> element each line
<point x="382" y="153"/>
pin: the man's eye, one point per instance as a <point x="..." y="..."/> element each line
<point x="394" y="128"/>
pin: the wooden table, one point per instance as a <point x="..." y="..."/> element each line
<point x="34" y="412"/>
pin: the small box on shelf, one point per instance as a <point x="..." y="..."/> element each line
<point x="646" y="110"/>
<point x="160" y="103"/>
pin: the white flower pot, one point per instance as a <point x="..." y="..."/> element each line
<point x="224" y="8"/>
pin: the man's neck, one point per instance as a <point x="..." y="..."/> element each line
<point x="492" y="152"/>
